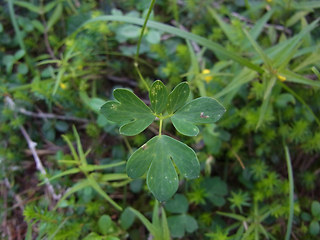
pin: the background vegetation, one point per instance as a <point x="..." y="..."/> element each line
<point x="60" y="61"/>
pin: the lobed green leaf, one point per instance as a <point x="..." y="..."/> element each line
<point x="158" y="95"/>
<point x="156" y="157"/>
<point x="178" y="97"/>
<point x="200" y="110"/>
<point x="128" y="111"/>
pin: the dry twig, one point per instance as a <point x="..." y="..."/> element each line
<point x="32" y="148"/>
<point x="51" y="116"/>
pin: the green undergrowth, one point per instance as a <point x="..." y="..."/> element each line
<point x="171" y="119"/>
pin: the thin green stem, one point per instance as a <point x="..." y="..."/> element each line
<point x="160" y="127"/>
<point x="127" y="144"/>
<point x="136" y="65"/>
<point x="291" y="192"/>
<point x="141" y="77"/>
<point x="144" y="26"/>
<point x="291" y="185"/>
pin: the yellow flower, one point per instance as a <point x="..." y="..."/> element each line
<point x="269" y="1"/>
<point x="281" y="78"/>
<point x="206" y="73"/>
<point x="63" y="86"/>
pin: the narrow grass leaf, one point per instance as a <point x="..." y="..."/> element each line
<point x="215" y="47"/>
<point x="246" y="75"/>
<point x="82" y="156"/>
<point x="64" y="173"/>
<point x="283" y="51"/>
<point x="260" y="24"/>
<point x="58" y="80"/>
<point x="291" y="192"/>
<point x="263" y="110"/>
<point x="97" y="187"/>
<point x="259" y="50"/>
<point x="228" y="29"/>
<point x="106" y="166"/>
<point x="56" y="15"/>
<point x="270" y="86"/>
<point x="78" y="186"/>
<point x="164" y="226"/>
<point x="154" y="231"/>
<point x="296" y="17"/>
<point x="155" y="215"/>
<point x="113" y="176"/>
<point x="72" y="149"/>
<point x="29" y="6"/>
<point x="296" y="78"/>
<point x="306" y="5"/>
<point x="313" y="59"/>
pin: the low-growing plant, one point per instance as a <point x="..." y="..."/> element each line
<point x="91" y="64"/>
<point x="159" y="156"/>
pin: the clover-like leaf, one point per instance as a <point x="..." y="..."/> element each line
<point x="180" y="224"/>
<point x="158" y="95"/>
<point x="216" y="190"/>
<point x="178" y="204"/>
<point x="128" y="111"/>
<point x="178" y="97"/>
<point x="200" y="110"/>
<point x="156" y="157"/>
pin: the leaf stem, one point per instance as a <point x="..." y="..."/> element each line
<point x="144" y="27"/>
<point x="164" y="117"/>
<point x="136" y="65"/>
<point x="160" y="127"/>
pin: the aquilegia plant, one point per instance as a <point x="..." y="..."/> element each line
<point x="160" y="156"/>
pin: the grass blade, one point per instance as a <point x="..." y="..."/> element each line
<point x="100" y="167"/>
<point x="226" y="28"/>
<point x="215" y="47"/>
<point x="79" y="147"/>
<point x="75" y="188"/>
<point x="65" y="173"/>
<point x="291" y="192"/>
<point x="296" y="78"/>
<point x="306" y="5"/>
<point x="164" y="225"/>
<point x="260" y="24"/>
<point x="113" y="177"/>
<point x="258" y="49"/>
<point x="264" y="108"/>
<point x="72" y="149"/>
<point x="245" y="76"/>
<point x="96" y="187"/>
<point x="145" y="222"/>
